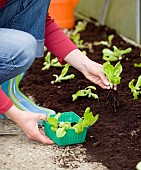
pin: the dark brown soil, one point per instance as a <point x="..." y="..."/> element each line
<point x="115" y="140"/>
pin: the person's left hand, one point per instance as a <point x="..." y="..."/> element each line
<point x="28" y="122"/>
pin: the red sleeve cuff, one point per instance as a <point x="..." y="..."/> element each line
<point x="5" y="102"/>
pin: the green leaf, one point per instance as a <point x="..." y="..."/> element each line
<point x="110" y="38"/>
<point x="136" y="94"/>
<point x="91" y="87"/>
<point x="68" y="77"/>
<point x="54" y="129"/>
<point x="96" y="117"/>
<point x="101" y="43"/>
<point x="57" y="115"/>
<point x="137" y="65"/>
<point x="95" y="96"/>
<point x="52" y="121"/>
<point x="107" y="52"/>
<point x="117" y="69"/>
<point x="54" y="62"/>
<point x="108" y="70"/>
<point x="48" y="57"/>
<point x="65" y="70"/>
<point x="60" y="132"/>
<point x="79" y="93"/>
<point x="128" y="50"/>
<point x="87" y="110"/>
<point x="78" y="127"/>
<point x="47" y="61"/>
<point x="131" y="85"/>
<point x="89" y="119"/>
<point x="138" y="84"/>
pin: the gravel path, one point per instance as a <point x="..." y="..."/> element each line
<point x="20" y="153"/>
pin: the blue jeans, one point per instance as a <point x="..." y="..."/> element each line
<point x="22" y="28"/>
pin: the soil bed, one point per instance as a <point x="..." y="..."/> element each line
<point x="115" y="139"/>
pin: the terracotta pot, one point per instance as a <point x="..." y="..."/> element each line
<point x="62" y="11"/>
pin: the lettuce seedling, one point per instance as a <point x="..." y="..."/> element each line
<point x="61" y="127"/>
<point x="137" y="65"/>
<point x="81" y="26"/>
<point x="79" y="42"/>
<point x="74" y="35"/>
<point x="48" y="62"/>
<point x="112" y="73"/>
<point x="136" y="90"/>
<point x="85" y="92"/>
<point x="63" y="75"/>
<point x="87" y="121"/>
<point x="107" y="43"/>
<point x="115" y="55"/>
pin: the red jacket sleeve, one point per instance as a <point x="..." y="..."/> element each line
<point x="2" y="3"/>
<point x="56" y="41"/>
<point x="5" y="102"/>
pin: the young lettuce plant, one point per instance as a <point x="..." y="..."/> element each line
<point x="80" y="44"/>
<point x="85" y="92"/>
<point x="115" y="55"/>
<point x="61" y="127"/>
<point x="81" y="26"/>
<point x="113" y="73"/>
<point x="88" y="120"/>
<point x="107" y="43"/>
<point x="136" y="90"/>
<point x="48" y="62"/>
<point x="74" y="35"/>
<point x="63" y="75"/>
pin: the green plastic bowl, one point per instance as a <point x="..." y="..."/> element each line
<point x="70" y="137"/>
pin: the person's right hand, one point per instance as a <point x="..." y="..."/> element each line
<point x="28" y="122"/>
<point x="90" y="69"/>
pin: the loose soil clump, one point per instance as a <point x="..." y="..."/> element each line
<point x="115" y="139"/>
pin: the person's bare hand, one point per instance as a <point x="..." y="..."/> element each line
<point x="91" y="70"/>
<point x="28" y="122"/>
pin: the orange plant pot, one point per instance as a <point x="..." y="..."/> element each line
<point x="62" y="11"/>
<point x="75" y="2"/>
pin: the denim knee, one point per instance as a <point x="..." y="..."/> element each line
<point x="17" y="53"/>
<point x="27" y="49"/>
